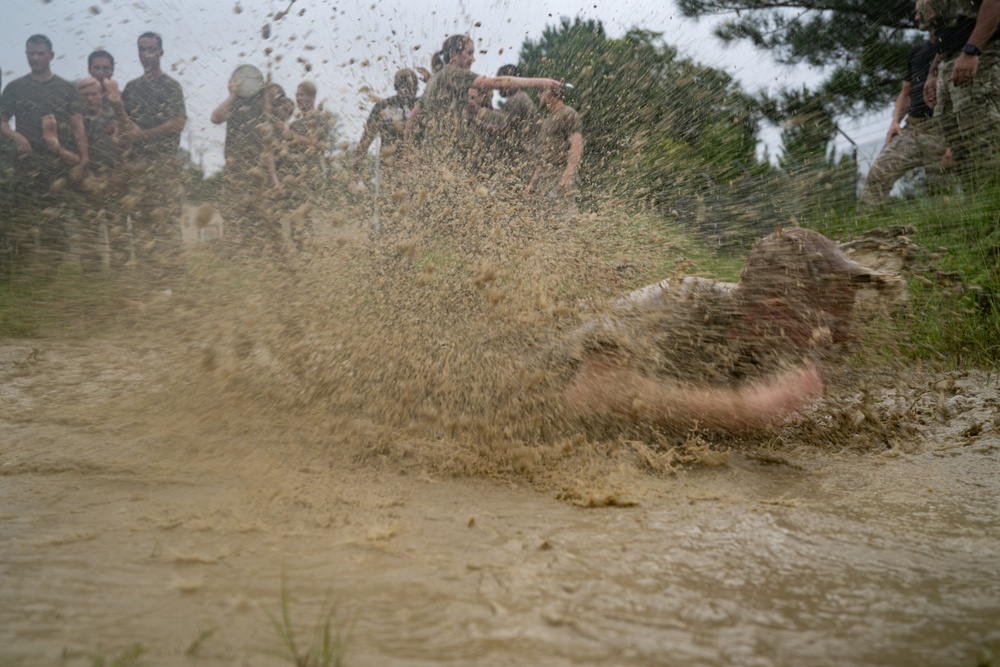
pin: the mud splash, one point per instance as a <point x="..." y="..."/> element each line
<point x="378" y="420"/>
<point x="163" y="532"/>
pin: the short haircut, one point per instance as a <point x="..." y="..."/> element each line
<point x="152" y="35"/>
<point x="308" y="87"/>
<point x="99" y="54"/>
<point x="407" y="78"/>
<point x="509" y="70"/>
<point x="39" y="39"/>
<point x="275" y="91"/>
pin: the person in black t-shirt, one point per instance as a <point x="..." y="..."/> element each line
<point x="964" y="83"/>
<point x="49" y="140"/>
<point x="155" y="104"/>
<point x="918" y="144"/>
<point x="387" y="119"/>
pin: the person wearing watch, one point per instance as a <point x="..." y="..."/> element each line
<point x="918" y="143"/>
<point x="968" y="54"/>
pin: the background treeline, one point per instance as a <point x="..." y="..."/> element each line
<point x="663" y="131"/>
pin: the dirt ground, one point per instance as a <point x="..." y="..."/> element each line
<point x="371" y="437"/>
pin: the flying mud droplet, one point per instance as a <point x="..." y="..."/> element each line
<point x="485" y="274"/>
<point x="427" y="276"/>
<point x="407" y="248"/>
<point x="495" y="296"/>
<point x="129" y="202"/>
<point x="204" y="215"/>
<point x="237" y="8"/>
<point x="265" y="32"/>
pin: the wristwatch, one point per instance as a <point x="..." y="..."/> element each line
<point x="972" y="50"/>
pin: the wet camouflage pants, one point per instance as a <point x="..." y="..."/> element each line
<point x="919" y="146"/>
<point x="969" y="116"/>
<point x="154" y="203"/>
<point x="33" y="235"/>
<point x="253" y="223"/>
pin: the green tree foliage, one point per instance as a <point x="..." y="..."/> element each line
<point x="652" y="120"/>
<point x="865" y="42"/>
<point x="807" y="124"/>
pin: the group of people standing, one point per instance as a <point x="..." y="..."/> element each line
<point x="950" y="99"/>
<point x="105" y="162"/>
<point x="96" y="157"/>
<point x="454" y="123"/>
<point x="273" y="164"/>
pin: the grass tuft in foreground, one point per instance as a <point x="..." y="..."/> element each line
<point x="328" y="643"/>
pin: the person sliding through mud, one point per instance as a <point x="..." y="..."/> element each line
<point x="753" y="346"/>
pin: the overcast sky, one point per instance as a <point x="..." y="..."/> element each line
<point x="349" y="48"/>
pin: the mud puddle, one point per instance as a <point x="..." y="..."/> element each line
<point x="179" y="538"/>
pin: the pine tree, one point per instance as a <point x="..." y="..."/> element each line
<point x="863" y="42"/>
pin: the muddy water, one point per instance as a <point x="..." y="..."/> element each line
<point x="124" y="520"/>
<point x="375" y="429"/>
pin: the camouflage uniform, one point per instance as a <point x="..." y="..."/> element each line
<point x="920" y="144"/>
<point x="554" y="141"/>
<point x="969" y="115"/>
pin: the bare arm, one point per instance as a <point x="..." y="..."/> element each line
<point x="987" y="21"/>
<point x="224" y="111"/>
<point x="126" y="126"/>
<point x="411" y="123"/>
<point x="366" y="140"/>
<point x="899" y="112"/>
<point x="22" y="145"/>
<point x="605" y="389"/>
<point x="533" y="181"/>
<point x="272" y="171"/>
<point x="172" y="126"/>
<point x="80" y="136"/>
<point x="930" y="86"/>
<point x="516" y="82"/>
<point x="572" y="162"/>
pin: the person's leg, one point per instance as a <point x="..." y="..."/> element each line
<point x="156" y="227"/>
<point x="932" y="152"/>
<point x="977" y="120"/>
<point x="91" y="241"/>
<point x="899" y="156"/>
